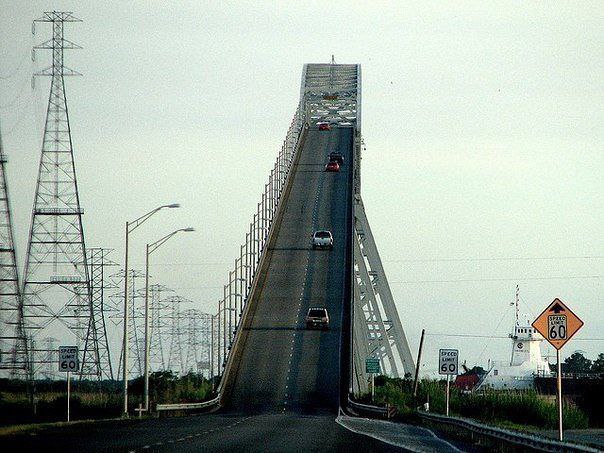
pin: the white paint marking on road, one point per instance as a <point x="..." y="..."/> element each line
<point x="392" y="433"/>
<point x="159" y="443"/>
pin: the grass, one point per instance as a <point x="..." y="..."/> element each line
<point x="91" y="400"/>
<point x="525" y="408"/>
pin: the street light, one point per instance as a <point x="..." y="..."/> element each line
<point x="150" y="249"/>
<point x="130" y="227"/>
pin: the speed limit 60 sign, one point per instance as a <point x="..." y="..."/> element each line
<point x="557" y="323"/>
<point x="68" y="358"/>
<point x="448" y="360"/>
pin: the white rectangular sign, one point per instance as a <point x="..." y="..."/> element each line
<point x="68" y="358"/>
<point x="448" y="360"/>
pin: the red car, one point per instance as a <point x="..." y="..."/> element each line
<point x="332" y="166"/>
<point x="324" y="127"/>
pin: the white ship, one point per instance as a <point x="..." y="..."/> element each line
<point x="525" y="364"/>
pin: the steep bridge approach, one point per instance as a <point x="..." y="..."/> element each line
<point x="279" y="364"/>
<point x="275" y="363"/>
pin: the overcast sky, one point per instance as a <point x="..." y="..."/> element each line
<point x="483" y="123"/>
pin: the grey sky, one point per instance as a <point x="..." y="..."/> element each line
<point x="483" y="125"/>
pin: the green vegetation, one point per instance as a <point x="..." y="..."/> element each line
<point x="526" y="408"/>
<point x="577" y="363"/>
<point x="96" y="400"/>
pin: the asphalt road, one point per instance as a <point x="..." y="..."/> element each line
<point x="283" y="366"/>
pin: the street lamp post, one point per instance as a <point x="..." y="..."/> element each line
<point x="150" y="249"/>
<point x="130" y="227"/>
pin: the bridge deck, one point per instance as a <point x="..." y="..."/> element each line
<point x="283" y="366"/>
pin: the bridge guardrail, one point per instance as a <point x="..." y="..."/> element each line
<point x="371" y="410"/>
<point x="515" y="438"/>
<point x="238" y="332"/>
<point x="214" y="402"/>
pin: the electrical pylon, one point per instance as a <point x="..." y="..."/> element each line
<point x="157" y="357"/>
<point x="175" y="355"/>
<point x="135" y="321"/>
<point x="56" y="288"/>
<point x="97" y="261"/>
<point x="13" y="343"/>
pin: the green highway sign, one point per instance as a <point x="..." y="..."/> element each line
<point x="372" y="366"/>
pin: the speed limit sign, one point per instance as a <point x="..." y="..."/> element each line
<point x="68" y="358"/>
<point x="557" y="323"/>
<point x="448" y="360"/>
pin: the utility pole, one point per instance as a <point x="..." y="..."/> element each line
<point x="419" y="360"/>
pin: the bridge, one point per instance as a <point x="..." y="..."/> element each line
<point x="275" y="364"/>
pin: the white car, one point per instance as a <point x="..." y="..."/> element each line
<point x="322" y="240"/>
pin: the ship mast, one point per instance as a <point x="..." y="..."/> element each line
<point x="517" y="297"/>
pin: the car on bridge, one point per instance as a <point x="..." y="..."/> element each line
<point x="317" y="318"/>
<point x="332" y="166"/>
<point x="324" y="127"/>
<point x="322" y="240"/>
<point x="336" y="157"/>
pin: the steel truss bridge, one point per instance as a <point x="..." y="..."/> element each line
<point x="266" y="358"/>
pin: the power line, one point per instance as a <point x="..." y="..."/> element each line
<point x="494" y="336"/>
<point x="463" y="335"/>
<point x="514" y="279"/>
<point x="509" y="258"/>
<point x="422" y="260"/>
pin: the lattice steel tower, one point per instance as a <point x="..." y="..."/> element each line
<point x="97" y="261"/>
<point x="13" y="345"/>
<point x="56" y="290"/>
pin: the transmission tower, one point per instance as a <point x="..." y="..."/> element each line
<point x="157" y="357"/>
<point x="175" y="356"/>
<point x="135" y="323"/>
<point x="48" y="367"/>
<point x="56" y="289"/>
<point x="97" y="261"/>
<point x="192" y="331"/>
<point x="13" y="344"/>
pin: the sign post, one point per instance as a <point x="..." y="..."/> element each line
<point x="557" y="323"/>
<point x="372" y="366"/>
<point x="448" y="363"/>
<point x="68" y="362"/>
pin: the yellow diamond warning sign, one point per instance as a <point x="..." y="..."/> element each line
<point x="557" y="324"/>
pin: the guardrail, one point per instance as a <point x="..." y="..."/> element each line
<point x="215" y="402"/>
<point x="514" y="438"/>
<point x="387" y="411"/>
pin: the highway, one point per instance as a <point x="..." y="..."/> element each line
<point x="283" y="366"/>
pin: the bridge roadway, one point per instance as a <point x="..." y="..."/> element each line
<point x="283" y="367"/>
<point x="284" y="395"/>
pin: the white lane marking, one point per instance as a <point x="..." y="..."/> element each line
<point x="340" y="420"/>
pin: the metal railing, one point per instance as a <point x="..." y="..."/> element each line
<point x="515" y="438"/>
<point x="237" y="291"/>
<point x="188" y="406"/>
<point x="371" y="410"/>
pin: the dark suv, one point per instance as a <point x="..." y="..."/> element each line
<point x="337" y="157"/>
<point x="317" y="318"/>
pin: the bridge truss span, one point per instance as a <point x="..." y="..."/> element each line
<point x="266" y="358"/>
